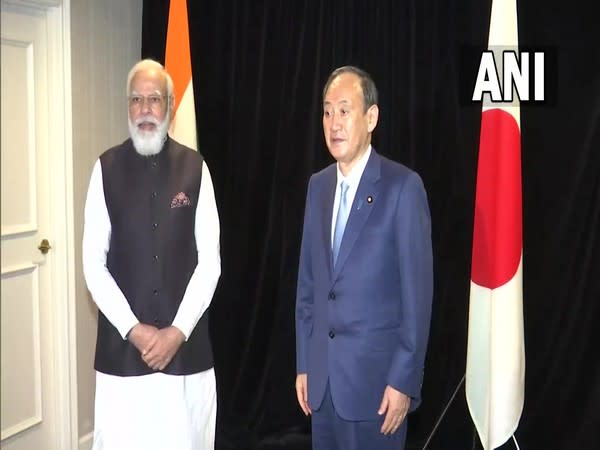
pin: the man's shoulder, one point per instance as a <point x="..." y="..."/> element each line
<point x="398" y="177"/>
<point x="109" y="155"/>
<point x="392" y="167"/>
<point x="324" y="174"/>
<point x="183" y="151"/>
<point x="396" y="171"/>
<point x="123" y="145"/>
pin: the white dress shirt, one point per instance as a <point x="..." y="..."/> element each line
<point x="353" y="180"/>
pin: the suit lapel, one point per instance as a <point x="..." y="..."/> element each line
<point x="361" y="208"/>
<point x="327" y="197"/>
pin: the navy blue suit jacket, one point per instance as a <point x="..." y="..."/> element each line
<point x="365" y="323"/>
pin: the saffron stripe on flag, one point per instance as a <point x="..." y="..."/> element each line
<point x="178" y="63"/>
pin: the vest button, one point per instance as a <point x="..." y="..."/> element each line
<point x="155" y="257"/>
<point x="154" y="226"/>
<point x="331" y="334"/>
<point x="155" y="291"/>
<point x="154" y="194"/>
<point x="332" y="295"/>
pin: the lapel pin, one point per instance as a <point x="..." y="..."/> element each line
<point x="369" y="199"/>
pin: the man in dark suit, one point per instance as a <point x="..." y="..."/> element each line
<point x="365" y="282"/>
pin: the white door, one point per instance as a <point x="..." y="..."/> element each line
<point x="31" y="369"/>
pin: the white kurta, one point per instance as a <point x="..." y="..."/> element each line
<point x="156" y="411"/>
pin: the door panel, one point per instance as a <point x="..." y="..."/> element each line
<point x="28" y="378"/>
<point x="21" y="390"/>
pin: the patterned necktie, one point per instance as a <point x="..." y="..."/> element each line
<point x="340" y="221"/>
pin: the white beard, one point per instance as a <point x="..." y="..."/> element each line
<point x="148" y="143"/>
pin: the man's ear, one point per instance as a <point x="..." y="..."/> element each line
<point x="372" y="117"/>
<point x="171" y="101"/>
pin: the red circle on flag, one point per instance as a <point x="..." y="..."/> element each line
<point x="497" y="231"/>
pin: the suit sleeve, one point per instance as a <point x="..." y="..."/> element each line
<point x="304" y="293"/>
<point x="413" y="235"/>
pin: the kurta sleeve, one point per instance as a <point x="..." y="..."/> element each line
<point x="96" y="241"/>
<point x="203" y="282"/>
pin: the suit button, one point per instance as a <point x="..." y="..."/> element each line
<point x="154" y="226"/>
<point x="155" y="257"/>
<point x="332" y="295"/>
<point x="155" y="291"/>
<point x="154" y="194"/>
<point x="331" y="334"/>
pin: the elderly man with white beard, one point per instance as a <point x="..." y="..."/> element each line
<point x="151" y="261"/>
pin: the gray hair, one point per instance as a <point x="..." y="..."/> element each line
<point x="149" y="64"/>
<point x="367" y="84"/>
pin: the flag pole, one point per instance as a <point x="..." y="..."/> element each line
<point x="439" y="421"/>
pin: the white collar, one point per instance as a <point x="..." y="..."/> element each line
<point x="353" y="178"/>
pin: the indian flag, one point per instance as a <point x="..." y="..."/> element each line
<point x="178" y="63"/>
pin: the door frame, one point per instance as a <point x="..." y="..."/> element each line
<point x="62" y="222"/>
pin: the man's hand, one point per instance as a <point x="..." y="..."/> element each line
<point x="142" y="336"/>
<point x="162" y="349"/>
<point x="302" y="392"/>
<point x="396" y="404"/>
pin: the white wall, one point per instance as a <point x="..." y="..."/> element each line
<point x="105" y="43"/>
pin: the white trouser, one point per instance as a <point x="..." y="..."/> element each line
<point x="155" y="412"/>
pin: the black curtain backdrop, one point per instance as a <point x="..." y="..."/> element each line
<point x="259" y="67"/>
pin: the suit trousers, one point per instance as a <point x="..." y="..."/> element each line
<point x="331" y="432"/>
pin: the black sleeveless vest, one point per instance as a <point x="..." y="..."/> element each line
<point x="151" y="202"/>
